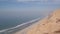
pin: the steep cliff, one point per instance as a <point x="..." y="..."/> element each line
<point x="48" y="25"/>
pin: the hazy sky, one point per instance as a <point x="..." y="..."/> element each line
<point x="28" y="5"/>
<point x="16" y="8"/>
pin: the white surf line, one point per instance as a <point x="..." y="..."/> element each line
<point x="20" y="25"/>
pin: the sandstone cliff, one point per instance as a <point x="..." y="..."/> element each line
<point x="48" y="25"/>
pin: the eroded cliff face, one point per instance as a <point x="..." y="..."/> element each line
<point x="48" y="25"/>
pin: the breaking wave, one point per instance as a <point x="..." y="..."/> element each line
<point x="19" y="27"/>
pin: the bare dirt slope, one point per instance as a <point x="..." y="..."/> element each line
<point x="48" y="25"/>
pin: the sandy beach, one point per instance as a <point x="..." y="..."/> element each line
<point x="48" y="25"/>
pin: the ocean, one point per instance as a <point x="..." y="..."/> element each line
<point x="8" y="23"/>
<point x="9" y="19"/>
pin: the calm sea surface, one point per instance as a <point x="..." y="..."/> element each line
<point x="11" y="21"/>
<point x="7" y="23"/>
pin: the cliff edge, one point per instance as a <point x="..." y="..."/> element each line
<point x="48" y="25"/>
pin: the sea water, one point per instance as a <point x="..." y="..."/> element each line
<point x="12" y="19"/>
